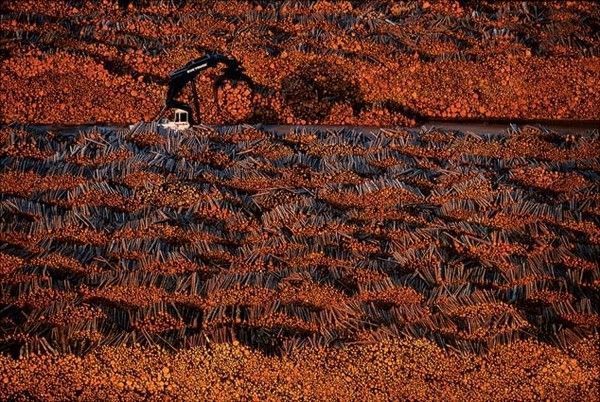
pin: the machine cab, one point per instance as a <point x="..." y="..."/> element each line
<point x="181" y="117"/>
<point x="181" y="121"/>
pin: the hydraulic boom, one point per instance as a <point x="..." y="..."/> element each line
<point x="179" y="78"/>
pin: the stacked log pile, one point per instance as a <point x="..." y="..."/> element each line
<point x="285" y="241"/>
<point x="369" y="63"/>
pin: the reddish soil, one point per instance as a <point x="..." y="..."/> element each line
<point x="335" y="62"/>
<point x="299" y="265"/>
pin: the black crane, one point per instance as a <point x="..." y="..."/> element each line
<point x="179" y="78"/>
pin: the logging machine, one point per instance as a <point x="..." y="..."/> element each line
<point x="179" y="78"/>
